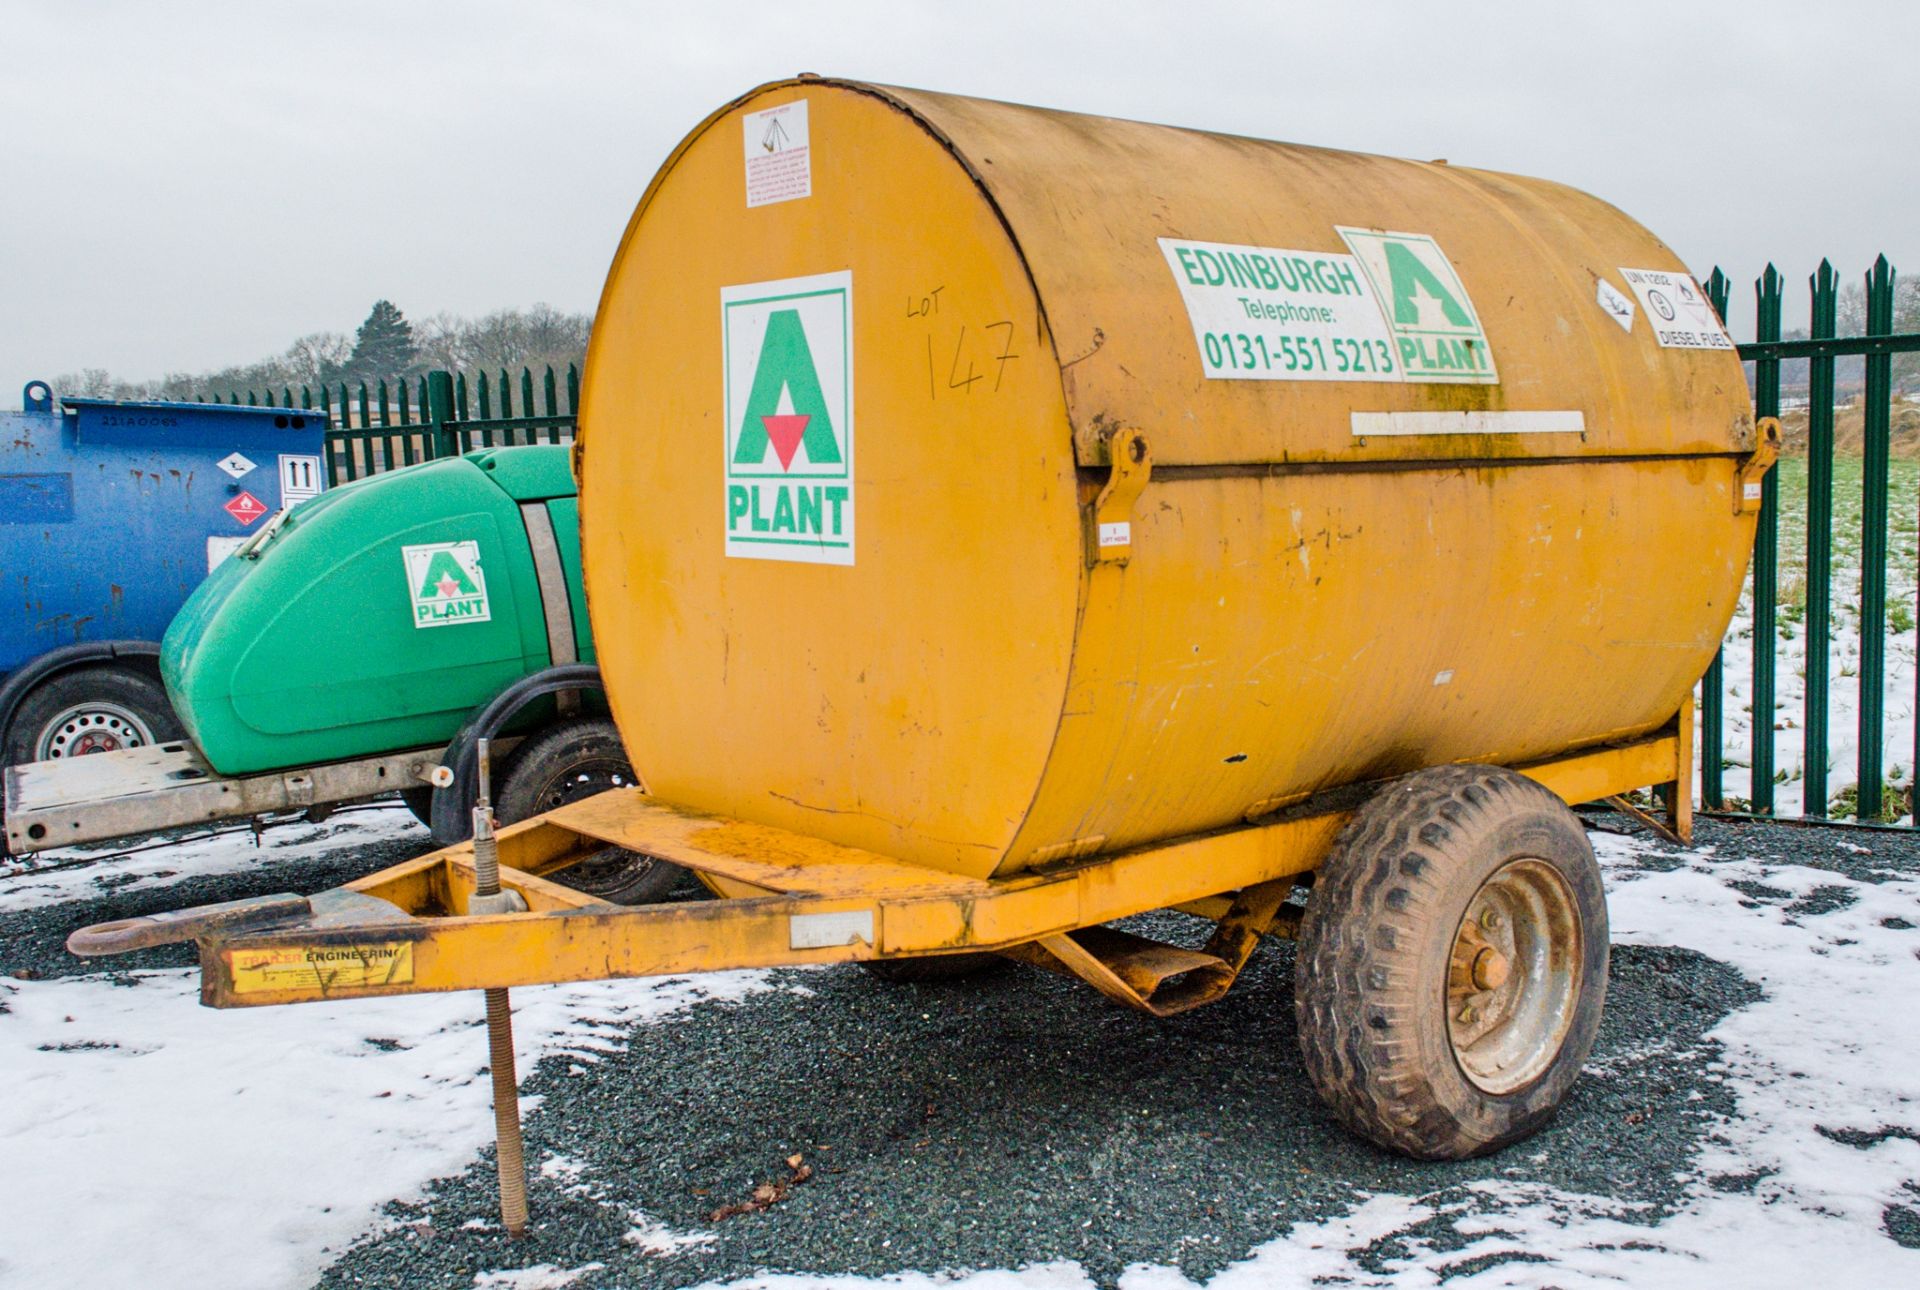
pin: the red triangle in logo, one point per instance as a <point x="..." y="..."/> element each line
<point x="785" y="431"/>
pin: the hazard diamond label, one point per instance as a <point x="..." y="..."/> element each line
<point x="788" y="418"/>
<point x="246" y="507"/>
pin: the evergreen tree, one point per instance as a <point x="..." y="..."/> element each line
<point x="384" y="344"/>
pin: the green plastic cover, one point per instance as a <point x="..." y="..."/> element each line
<point x="376" y="618"/>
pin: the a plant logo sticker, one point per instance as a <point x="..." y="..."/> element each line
<point x="1436" y="331"/>
<point x="787" y="357"/>
<point x="446" y="583"/>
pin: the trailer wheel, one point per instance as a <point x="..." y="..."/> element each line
<point x="1452" y="963"/>
<point x="565" y="763"/>
<point x="419" y="801"/>
<point x="89" y="710"/>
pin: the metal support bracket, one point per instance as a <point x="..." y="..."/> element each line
<point x="1110" y="522"/>
<point x="1747" y="492"/>
<point x="1163" y="980"/>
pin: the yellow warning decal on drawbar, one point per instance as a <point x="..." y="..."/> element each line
<point x="322" y="967"/>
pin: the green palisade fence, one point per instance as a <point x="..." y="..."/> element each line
<point x="1768" y="352"/>
<point x="398" y="423"/>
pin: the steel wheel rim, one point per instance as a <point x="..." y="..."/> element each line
<point x="92" y="727"/>
<point x="606" y="870"/>
<point x="1514" y="976"/>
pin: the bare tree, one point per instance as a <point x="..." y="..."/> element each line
<point x="507" y="339"/>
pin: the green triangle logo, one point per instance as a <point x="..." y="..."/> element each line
<point x="786" y="407"/>
<point x="1411" y="278"/>
<point x="444" y="579"/>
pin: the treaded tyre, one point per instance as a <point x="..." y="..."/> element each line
<point x="1452" y="963"/>
<point x="934" y="967"/>
<point x="98" y="708"/>
<point x="565" y="763"/>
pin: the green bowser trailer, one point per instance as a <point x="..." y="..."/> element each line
<point x="360" y="644"/>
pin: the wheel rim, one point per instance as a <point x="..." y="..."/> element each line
<point x="604" y="871"/>
<point x="92" y="727"/>
<point x="1513" y="976"/>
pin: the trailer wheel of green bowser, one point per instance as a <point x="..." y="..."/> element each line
<point x="89" y="710"/>
<point x="420" y="802"/>
<point x="565" y="763"/>
<point x="1452" y="963"/>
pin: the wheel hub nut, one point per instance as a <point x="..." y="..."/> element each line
<point x="1491" y="969"/>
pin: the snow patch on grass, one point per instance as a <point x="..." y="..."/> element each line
<point x="1795" y="653"/>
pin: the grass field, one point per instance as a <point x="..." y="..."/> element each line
<point x="1841" y="652"/>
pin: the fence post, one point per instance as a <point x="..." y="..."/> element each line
<point x="1713" y="688"/>
<point x="440" y="414"/>
<point x="1873" y="545"/>
<point x="1766" y="554"/>
<point x="1817" y="622"/>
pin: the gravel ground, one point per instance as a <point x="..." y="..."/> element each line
<point x="1015" y="1118"/>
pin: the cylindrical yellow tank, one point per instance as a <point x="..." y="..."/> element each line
<point x="1441" y="466"/>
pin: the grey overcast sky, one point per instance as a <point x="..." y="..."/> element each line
<point x="190" y="184"/>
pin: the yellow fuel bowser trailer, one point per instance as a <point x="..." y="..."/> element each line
<point x="998" y="522"/>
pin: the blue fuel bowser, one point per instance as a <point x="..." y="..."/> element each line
<point x="111" y="513"/>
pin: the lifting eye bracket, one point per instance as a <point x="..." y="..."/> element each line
<point x="1747" y="491"/>
<point x="1110" y="523"/>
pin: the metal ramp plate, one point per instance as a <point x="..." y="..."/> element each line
<point x="772" y="859"/>
<point x="169" y="786"/>
<point x="103" y="777"/>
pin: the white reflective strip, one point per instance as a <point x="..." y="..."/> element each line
<point x="822" y="931"/>
<point x="1367" y="424"/>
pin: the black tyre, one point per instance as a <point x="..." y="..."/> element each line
<point x="100" y="708"/>
<point x="565" y="763"/>
<point x="1452" y="963"/>
<point x="420" y="802"/>
<point x="935" y="967"/>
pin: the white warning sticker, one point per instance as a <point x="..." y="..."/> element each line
<point x="299" y="479"/>
<point x="1617" y="304"/>
<point x="1677" y="309"/>
<point x="779" y="154"/>
<point x="219" y="547"/>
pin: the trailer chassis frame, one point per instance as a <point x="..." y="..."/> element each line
<point x="787" y="899"/>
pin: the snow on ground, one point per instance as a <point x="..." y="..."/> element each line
<point x="50" y="877"/>
<point x="166" y="1145"/>
<point x="151" y="1142"/>
<point x="172" y="1146"/>
<point x="541" y="1276"/>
